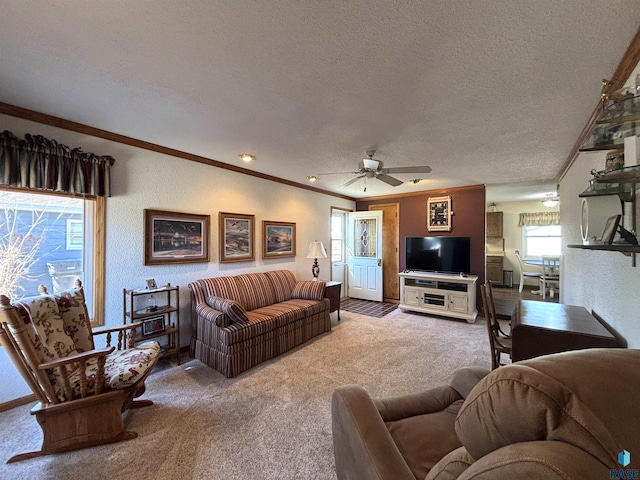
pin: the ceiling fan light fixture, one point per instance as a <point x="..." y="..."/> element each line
<point x="247" y="157"/>
<point x="551" y="201"/>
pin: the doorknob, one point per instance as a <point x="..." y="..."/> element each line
<point x="379" y="262"/>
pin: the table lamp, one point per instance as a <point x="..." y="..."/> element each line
<point x="316" y="250"/>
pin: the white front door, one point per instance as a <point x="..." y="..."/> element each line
<point x="364" y="240"/>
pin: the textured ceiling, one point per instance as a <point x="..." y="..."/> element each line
<point x="491" y="91"/>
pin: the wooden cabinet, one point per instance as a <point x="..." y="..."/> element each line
<point x="495" y="265"/>
<point x="158" y="312"/>
<point x="494" y="224"/>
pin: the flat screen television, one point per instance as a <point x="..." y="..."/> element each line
<point x="439" y="254"/>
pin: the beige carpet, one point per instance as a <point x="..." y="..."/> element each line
<point x="272" y="422"/>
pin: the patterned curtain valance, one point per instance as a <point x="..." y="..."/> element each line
<point x="40" y="163"/>
<point x="539" y="218"/>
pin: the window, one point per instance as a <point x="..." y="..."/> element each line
<point x="538" y="240"/>
<point x="338" y="219"/>
<point x="50" y="240"/>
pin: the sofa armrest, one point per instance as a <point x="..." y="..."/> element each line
<point x="403" y="406"/>
<point x="363" y="447"/>
<point x="215" y="316"/>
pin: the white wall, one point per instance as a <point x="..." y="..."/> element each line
<point x="143" y="179"/>
<point x="605" y="282"/>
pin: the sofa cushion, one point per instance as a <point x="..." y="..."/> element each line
<point x="233" y="309"/>
<point x="222" y="287"/>
<point x="77" y="323"/>
<point x="572" y="397"/>
<point x="283" y="282"/>
<point x="308" y="290"/>
<point x="451" y="465"/>
<point x="256" y="290"/>
<point x="424" y="439"/>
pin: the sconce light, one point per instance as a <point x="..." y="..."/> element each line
<point x="316" y="250"/>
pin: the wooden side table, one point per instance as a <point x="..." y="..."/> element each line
<point x="332" y="292"/>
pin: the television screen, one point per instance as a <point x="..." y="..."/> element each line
<point x="439" y="254"/>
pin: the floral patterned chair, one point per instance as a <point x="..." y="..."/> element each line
<point x="82" y="390"/>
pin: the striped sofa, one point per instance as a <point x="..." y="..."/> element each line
<point x="241" y="321"/>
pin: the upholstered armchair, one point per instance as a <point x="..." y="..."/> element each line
<point x="400" y="437"/>
<point x="82" y="390"/>
<point x="563" y="416"/>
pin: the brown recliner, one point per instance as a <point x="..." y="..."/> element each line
<point x="561" y="416"/>
<point x="385" y="439"/>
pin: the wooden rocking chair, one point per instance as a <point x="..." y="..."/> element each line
<point x="82" y="391"/>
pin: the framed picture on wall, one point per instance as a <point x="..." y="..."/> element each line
<point x="278" y="239"/>
<point x="439" y="214"/>
<point x="236" y="237"/>
<point x="173" y="237"/>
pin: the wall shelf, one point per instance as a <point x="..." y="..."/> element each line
<point x="616" y="247"/>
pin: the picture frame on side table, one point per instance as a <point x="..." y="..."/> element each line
<point x="173" y="237"/>
<point x="278" y="239"/>
<point x="153" y="325"/>
<point x="237" y="234"/>
<point x="610" y="229"/>
<point x="439" y="214"/>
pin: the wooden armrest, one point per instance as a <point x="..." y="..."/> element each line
<point x="100" y="352"/>
<point x="119" y="328"/>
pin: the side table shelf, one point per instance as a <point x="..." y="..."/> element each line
<point x="158" y="310"/>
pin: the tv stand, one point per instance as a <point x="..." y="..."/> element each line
<point x="443" y="294"/>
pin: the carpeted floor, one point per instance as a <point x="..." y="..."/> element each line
<point x="272" y="422"/>
<point x="368" y="307"/>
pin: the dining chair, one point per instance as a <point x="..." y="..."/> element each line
<point x="499" y="341"/>
<point x="524" y="273"/>
<point x="550" y="275"/>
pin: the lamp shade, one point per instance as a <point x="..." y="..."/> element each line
<point x="550" y="201"/>
<point x="316" y="250"/>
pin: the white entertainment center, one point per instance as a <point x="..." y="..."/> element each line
<point x="443" y="294"/>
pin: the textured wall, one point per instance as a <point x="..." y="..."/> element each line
<point x="605" y="282"/>
<point x="143" y="179"/>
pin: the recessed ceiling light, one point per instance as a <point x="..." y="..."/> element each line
<point x="312" y="178"/>
<point x="247" y="157"/>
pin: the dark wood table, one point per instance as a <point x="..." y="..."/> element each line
<point x="541" y="328"/>
<point x="332" y="292"/>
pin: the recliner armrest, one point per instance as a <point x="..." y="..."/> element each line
<point x="464" y="379"/>
<point x="363" y="446"/>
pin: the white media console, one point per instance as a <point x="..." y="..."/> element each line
<point x="443" y="294"/>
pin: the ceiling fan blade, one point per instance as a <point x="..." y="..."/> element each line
<point x="394" y="182"/>
<point x="337" y="173"/>
<point x="353" y="180"/>
<point x="421" y="169"/>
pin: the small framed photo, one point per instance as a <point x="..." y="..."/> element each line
<point x="278" y="239"/>
<point x="153" y="325"/>
<point x="610" y="229"/>
<point x="151" y="284"/>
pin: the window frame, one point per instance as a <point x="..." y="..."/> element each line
<point x="95" y="237"/>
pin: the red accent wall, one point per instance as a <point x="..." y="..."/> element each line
<point x="468" y="207"/>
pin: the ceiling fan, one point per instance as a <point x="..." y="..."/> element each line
<point x="370" y="168"/>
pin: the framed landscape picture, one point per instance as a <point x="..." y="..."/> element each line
<point x="278" y="239"/>
<point x="236" y="237"/>
<point x="172" y="237"/>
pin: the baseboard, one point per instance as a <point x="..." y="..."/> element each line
<point x="17" y="402"/>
